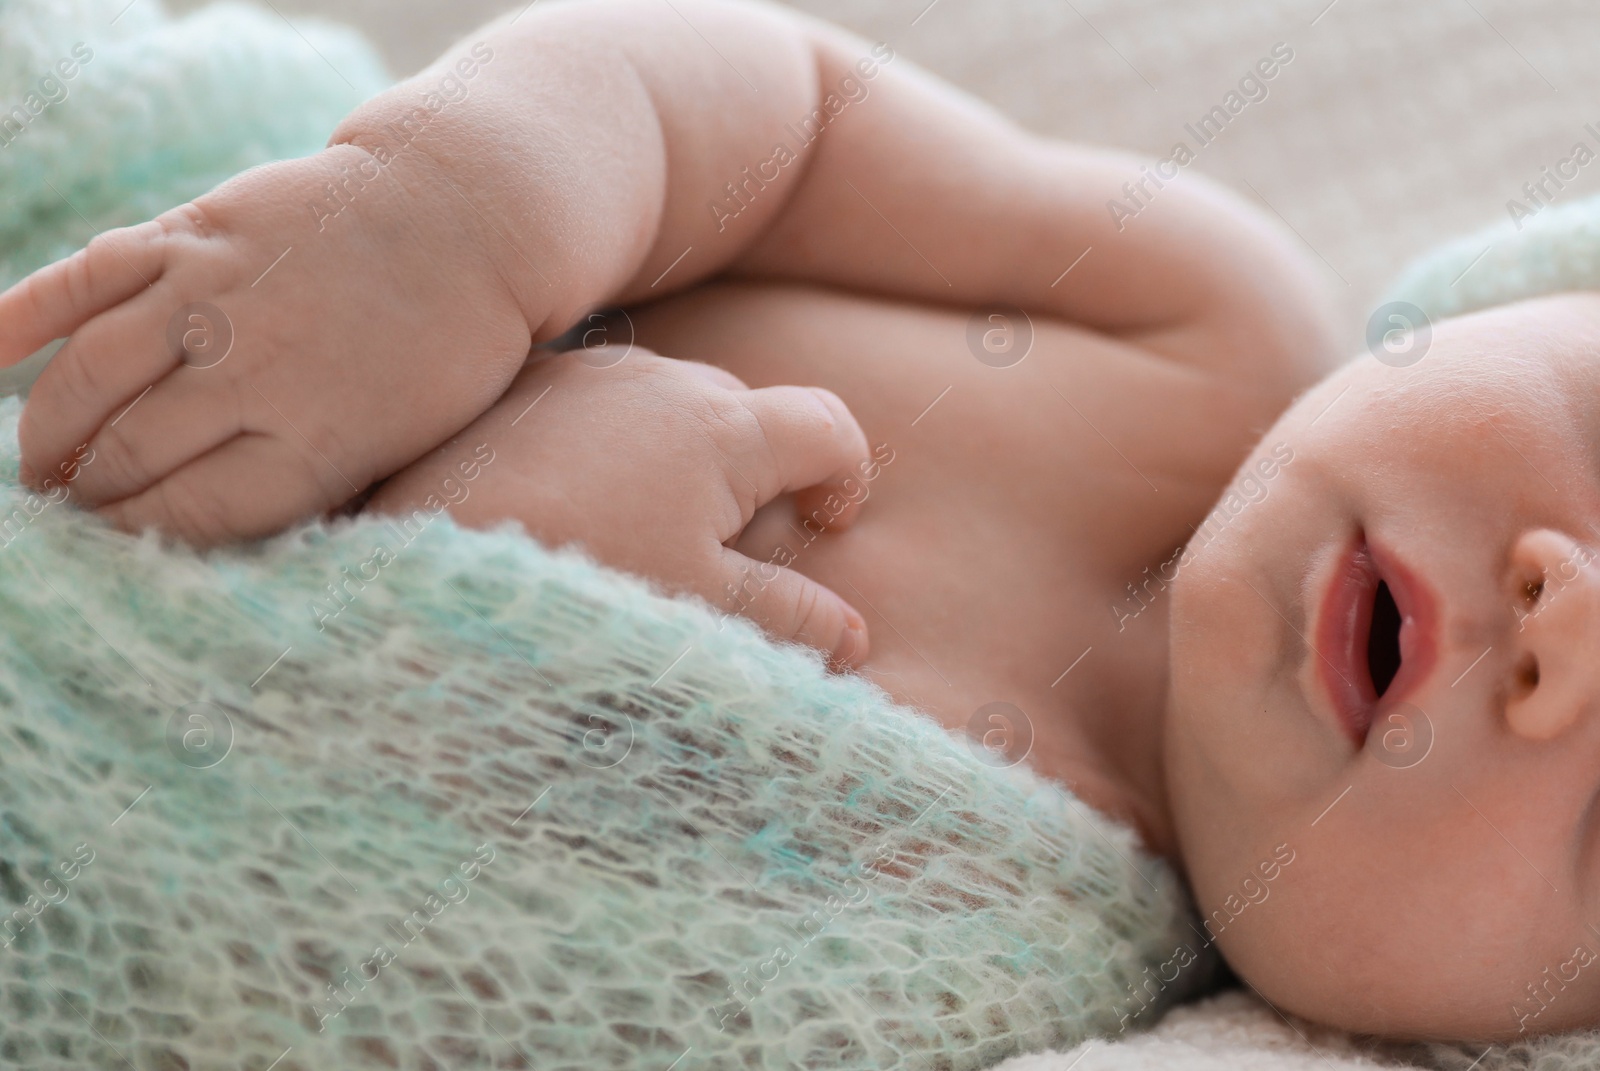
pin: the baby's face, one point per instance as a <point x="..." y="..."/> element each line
<point x="1424" y="753"/>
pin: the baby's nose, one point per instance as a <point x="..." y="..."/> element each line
<point x="1555" y="641"/>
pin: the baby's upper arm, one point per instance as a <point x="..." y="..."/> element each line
<point x="914" y="189"/>
<point x="668" y="144"/>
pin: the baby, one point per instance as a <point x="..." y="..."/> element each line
<point x="1125" y="533"/>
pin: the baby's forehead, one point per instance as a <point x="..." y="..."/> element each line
<point x="1556" y="329"/>
<point x="1541" y="352"/>
<point x="1523" y="375"/>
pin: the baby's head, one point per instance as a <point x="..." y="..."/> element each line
<point x="1434" y="785"/>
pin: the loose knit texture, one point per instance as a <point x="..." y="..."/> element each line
<point x="506" y="809"/>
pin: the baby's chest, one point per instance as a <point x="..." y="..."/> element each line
<point x="1024" y="472"/>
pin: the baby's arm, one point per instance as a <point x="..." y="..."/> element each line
<point x="630" y="148"/>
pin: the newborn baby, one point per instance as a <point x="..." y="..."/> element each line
<point x="1346" y="698"/>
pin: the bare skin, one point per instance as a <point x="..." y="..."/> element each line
<point x="995" y="545"/>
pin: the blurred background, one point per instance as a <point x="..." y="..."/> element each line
<point x="1396" y="125"/>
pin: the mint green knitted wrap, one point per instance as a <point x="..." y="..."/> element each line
<point x="507" y="809"/>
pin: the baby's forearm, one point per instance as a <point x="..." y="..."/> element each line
<point x="586" y="139"/>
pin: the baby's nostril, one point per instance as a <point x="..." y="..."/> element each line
<point x="1528" y="673"/>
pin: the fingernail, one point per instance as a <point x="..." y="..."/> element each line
<point x="820" y="405"/>
<point x="853" y="646"/>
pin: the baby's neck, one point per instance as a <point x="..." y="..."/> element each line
<point x="1108" y="749"/>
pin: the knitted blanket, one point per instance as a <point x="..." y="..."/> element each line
<point x="504" y="806"/>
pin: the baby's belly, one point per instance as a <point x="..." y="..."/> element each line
<point x="1009" y="505"/>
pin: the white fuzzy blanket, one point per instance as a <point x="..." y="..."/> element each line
<point x="1235" y="1031"/>
<point x="1231" y="1032"/>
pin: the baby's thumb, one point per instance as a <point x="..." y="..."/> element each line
<point x="794" y="607"/>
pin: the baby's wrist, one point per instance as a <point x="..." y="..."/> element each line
<point x="455" y="168"/>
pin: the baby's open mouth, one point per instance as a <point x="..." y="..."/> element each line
<point x="1383" y="639"/>
<point x="1374" y="635"/>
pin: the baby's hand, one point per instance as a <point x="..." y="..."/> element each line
<point x="654" y="466"/>
<point x="267" y="351"/>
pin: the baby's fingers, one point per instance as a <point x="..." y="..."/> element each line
<point x="793" y="607"/>
<point x="59" y="298"/>
<point x="810" y="445"/>
<point x="248" y="487"/>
